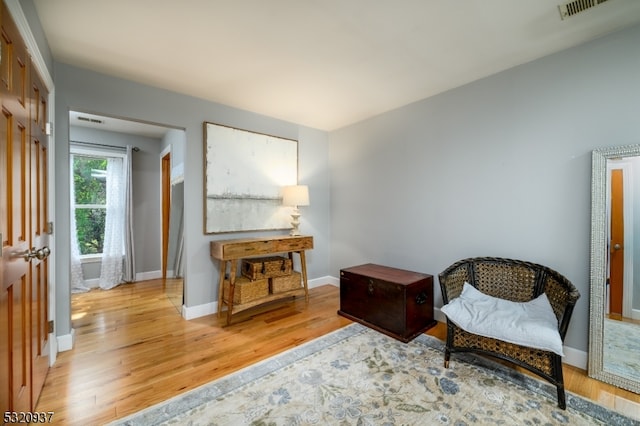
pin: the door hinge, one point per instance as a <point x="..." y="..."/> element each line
<point x="51" y="326"/>
<point x="48" y="128"/>
<point x="50" y="228"/>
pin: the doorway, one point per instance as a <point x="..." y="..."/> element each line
<point x="107" y="133"/>
<point x="172" y="188"/>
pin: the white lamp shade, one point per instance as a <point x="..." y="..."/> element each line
<point x="295" y="195"/>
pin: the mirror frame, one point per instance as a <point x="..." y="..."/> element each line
<point x="598" y="264"/>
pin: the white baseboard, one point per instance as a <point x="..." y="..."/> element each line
<point x="575" y="357"/>
<point x="92" y="283"/>
<point x="66" y="341"/>
<point x="316" y="282"/>
<point x="439" y="316"/>
<point x="53" y="349"/>
<point x="149" y="275"/>
<point x="192" y="312"/>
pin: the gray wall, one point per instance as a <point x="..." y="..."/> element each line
<point x="499" y="167"/>
<point x="83" y="90"/>
<point x="176" y="139"/>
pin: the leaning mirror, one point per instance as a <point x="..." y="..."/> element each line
<point x="614" y="336"/>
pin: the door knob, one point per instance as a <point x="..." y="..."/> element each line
<point x="617" y="247"/>
<point x="30" y="254"/>
<point x="43" y="252"/>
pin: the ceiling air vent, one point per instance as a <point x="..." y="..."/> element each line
<point x="90" y="120"/>
<point x="571" y="8"/>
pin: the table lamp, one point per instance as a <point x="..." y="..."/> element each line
<point x="295" y="196"/>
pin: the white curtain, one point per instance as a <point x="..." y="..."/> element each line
<point x="111" y="271"/>
<point x="129" y="274"/>
<point x="77" y="279"/>
<point x="118" y="262"/>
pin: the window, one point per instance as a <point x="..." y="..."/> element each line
<point x="90" y="202"/>
<point x="89" y="206"/>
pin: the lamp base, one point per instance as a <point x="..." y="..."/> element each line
<point x="295" y="222"/>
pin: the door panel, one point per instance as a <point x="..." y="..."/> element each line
<point x="20" y="375"/>
<point x="15" y="289"/>
<point x="16" y="271"/>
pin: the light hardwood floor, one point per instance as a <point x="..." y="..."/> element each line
<point x="133" y="350"/>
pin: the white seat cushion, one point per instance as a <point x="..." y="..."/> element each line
<point x="532" y="324"/>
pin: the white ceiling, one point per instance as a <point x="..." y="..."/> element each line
<point x="322" y="63"/>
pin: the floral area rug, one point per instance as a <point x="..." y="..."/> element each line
<point x="357" y="376"/>
<point x="622" y="348"/>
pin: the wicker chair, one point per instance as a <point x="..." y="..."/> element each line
<point x="518" y="281"/>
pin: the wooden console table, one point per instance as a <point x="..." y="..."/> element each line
<point x="233" y="251"/>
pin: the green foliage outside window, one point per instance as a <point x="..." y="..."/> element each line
<point x="89" y="178"/>
<point x="90" y="228"/>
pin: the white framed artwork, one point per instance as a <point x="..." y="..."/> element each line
<point x="244" y="174"/>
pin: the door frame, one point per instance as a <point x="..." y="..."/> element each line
<point x="165" y="207"/>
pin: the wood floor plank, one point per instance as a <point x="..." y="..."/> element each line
<point x="133" y="350"/>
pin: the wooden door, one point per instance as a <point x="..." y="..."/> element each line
<point x="23" y="209"/>
<point x="616" y="245"/>
<point x="15" y="298"/>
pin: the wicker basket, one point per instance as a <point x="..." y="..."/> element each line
<point x="246" y="290"/>
<point x="266" y="267"/>
<point x="286" y="283"/>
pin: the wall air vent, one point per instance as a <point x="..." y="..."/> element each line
<point x="89" y="120"/>
<point x="571" y="8"/>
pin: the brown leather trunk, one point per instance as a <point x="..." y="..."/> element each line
<point x="393" y="301"/>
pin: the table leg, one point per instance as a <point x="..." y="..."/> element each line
<point x="223" y="270"/>
<point x="303" y="266"/>
<point x="232" y="288"/>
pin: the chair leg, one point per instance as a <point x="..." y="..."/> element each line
<point x="559" y="378"/>
<point x="561" y="397"/>
<point x="447" y="355"/>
